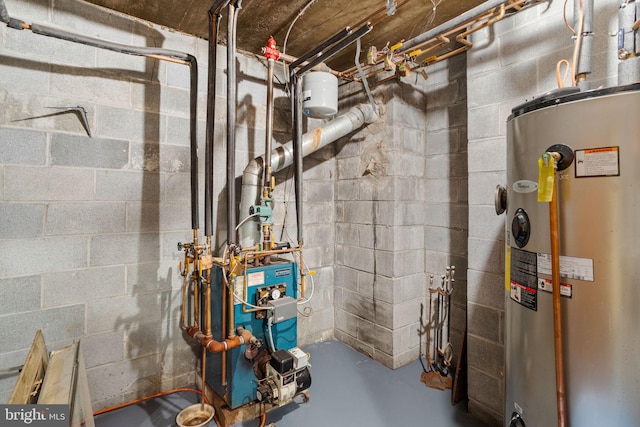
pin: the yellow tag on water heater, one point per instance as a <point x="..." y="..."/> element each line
<point x="546" y="177"/>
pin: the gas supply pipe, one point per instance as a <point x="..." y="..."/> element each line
<point x="557" y="158"/>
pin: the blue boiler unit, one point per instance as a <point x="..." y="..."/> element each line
<point x="274" y="370"/>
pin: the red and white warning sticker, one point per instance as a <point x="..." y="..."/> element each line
<point x="604" y="161"/>
<point x="547" y="286"/>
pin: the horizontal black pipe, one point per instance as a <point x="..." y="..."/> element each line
<point x="117" y="47"/>
<point x="166" y="54"/>
<point x="318" y="49"/>
<point x="323" y="56"/>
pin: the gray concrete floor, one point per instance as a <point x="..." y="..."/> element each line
<point x="348" y="390"/>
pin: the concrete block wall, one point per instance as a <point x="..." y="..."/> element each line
<point x="90" y="225"/>
<point x="379" y="263"/>
<point x="446" y="216"/>
<point x="510" y="63"/>
<point x="396" y="221"/>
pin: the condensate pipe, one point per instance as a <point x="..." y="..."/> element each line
<point x="561" y="397"/>
<point x="283" y="157"/>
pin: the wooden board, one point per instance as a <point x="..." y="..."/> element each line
<point x="28" y="385"/>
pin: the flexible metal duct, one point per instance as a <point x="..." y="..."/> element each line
<point x="282" y="157"/>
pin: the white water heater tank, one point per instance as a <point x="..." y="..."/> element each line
<point x="320" y="95"/>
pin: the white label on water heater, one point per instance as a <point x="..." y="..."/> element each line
<point x="570" y="267"/>
<point x="547" y="286"/>
<point x="603" y="161"/>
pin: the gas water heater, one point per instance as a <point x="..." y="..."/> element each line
<point x="598" y="196"/>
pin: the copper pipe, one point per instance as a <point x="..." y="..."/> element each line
<point x="196" y="299"/>
<point x="223" y="331"/>
<point x="207" y="303"/>
<point x="213" y="346"/>
<point x="184" y="270"/>
<point x="557" y="314"/>
<point x="301" y="276"/>
<point x="383" y="12"/>
<point x="204" y="369"/>
<point x="230" y="301"/>
<point x="489" y="15"/>
<point x="168" y="59"/>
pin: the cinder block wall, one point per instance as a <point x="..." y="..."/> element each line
<point x="90" y="225"/>
<point x="446" y="216"/>
<point x="511" y="62"/>
<point x="401" y="212"/>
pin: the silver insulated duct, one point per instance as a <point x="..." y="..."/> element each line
<point x="282" y="157"/>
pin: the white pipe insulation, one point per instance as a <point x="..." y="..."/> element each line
<point x="583" y="9"/>
<point x="282" y="157"/>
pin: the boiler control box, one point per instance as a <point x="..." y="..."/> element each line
<point x="283" y="308"/>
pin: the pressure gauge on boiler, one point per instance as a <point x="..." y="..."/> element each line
<point x="275" y="294"/>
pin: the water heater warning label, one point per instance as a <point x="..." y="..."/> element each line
<point x="570" y="267"/>
<point x="597" y="162"/>
<point x="547" y="286"/>
<point x="524" y="278"/>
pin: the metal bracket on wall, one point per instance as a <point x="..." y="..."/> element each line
<point x="79" y="112"/>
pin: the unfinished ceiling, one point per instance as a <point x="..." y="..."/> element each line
<point x="260" y="19"/>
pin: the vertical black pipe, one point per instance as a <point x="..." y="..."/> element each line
<point x="214" y="21"/>
<point x="297" y="151"/>
<point x="267" y="169"/>
<point x="231" y="125"/>
<point x="193" y="135"/>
